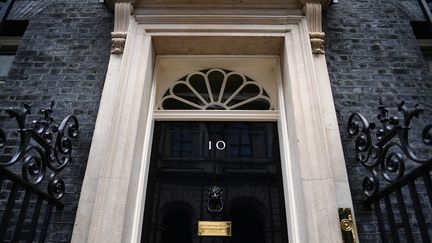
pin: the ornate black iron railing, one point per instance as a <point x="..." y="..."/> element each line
<point x="396" y="170"/>
<point x="43" y="151"/>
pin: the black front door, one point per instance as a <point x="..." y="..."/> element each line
<point x="217" y="171"/>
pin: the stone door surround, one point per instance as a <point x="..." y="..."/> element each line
<point x="315" y="181"/>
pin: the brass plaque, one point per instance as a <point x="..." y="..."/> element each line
<point x="214" y="228"/>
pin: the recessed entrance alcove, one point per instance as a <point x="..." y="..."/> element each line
<point x="265" y="73"/>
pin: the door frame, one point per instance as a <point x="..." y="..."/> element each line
<point x="109" y="209"/>
<point x="289" y="179"/>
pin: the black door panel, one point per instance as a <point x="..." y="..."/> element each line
<point x="241" y="158"/>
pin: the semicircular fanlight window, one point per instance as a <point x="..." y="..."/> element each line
<point x="215" y="89"/>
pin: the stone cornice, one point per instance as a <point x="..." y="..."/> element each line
<point x="324" y="3"/>
<point x="218" y="19"/>
<point x="123" y="9"/>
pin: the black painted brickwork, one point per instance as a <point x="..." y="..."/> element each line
<point x="372" y="53"/>
<point x="63" y="57"/>
<point x="370" y="48"/>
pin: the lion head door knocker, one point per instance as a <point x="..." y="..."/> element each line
<point x="214" y="200"/>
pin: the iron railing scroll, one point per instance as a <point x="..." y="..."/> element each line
<point x="396" y="168"/>
<point x="43" y="151"/>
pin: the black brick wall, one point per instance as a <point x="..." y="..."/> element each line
<point x="63" y="57"/>
<point x="370" y="48"/>
<point x="372" y="53"/>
